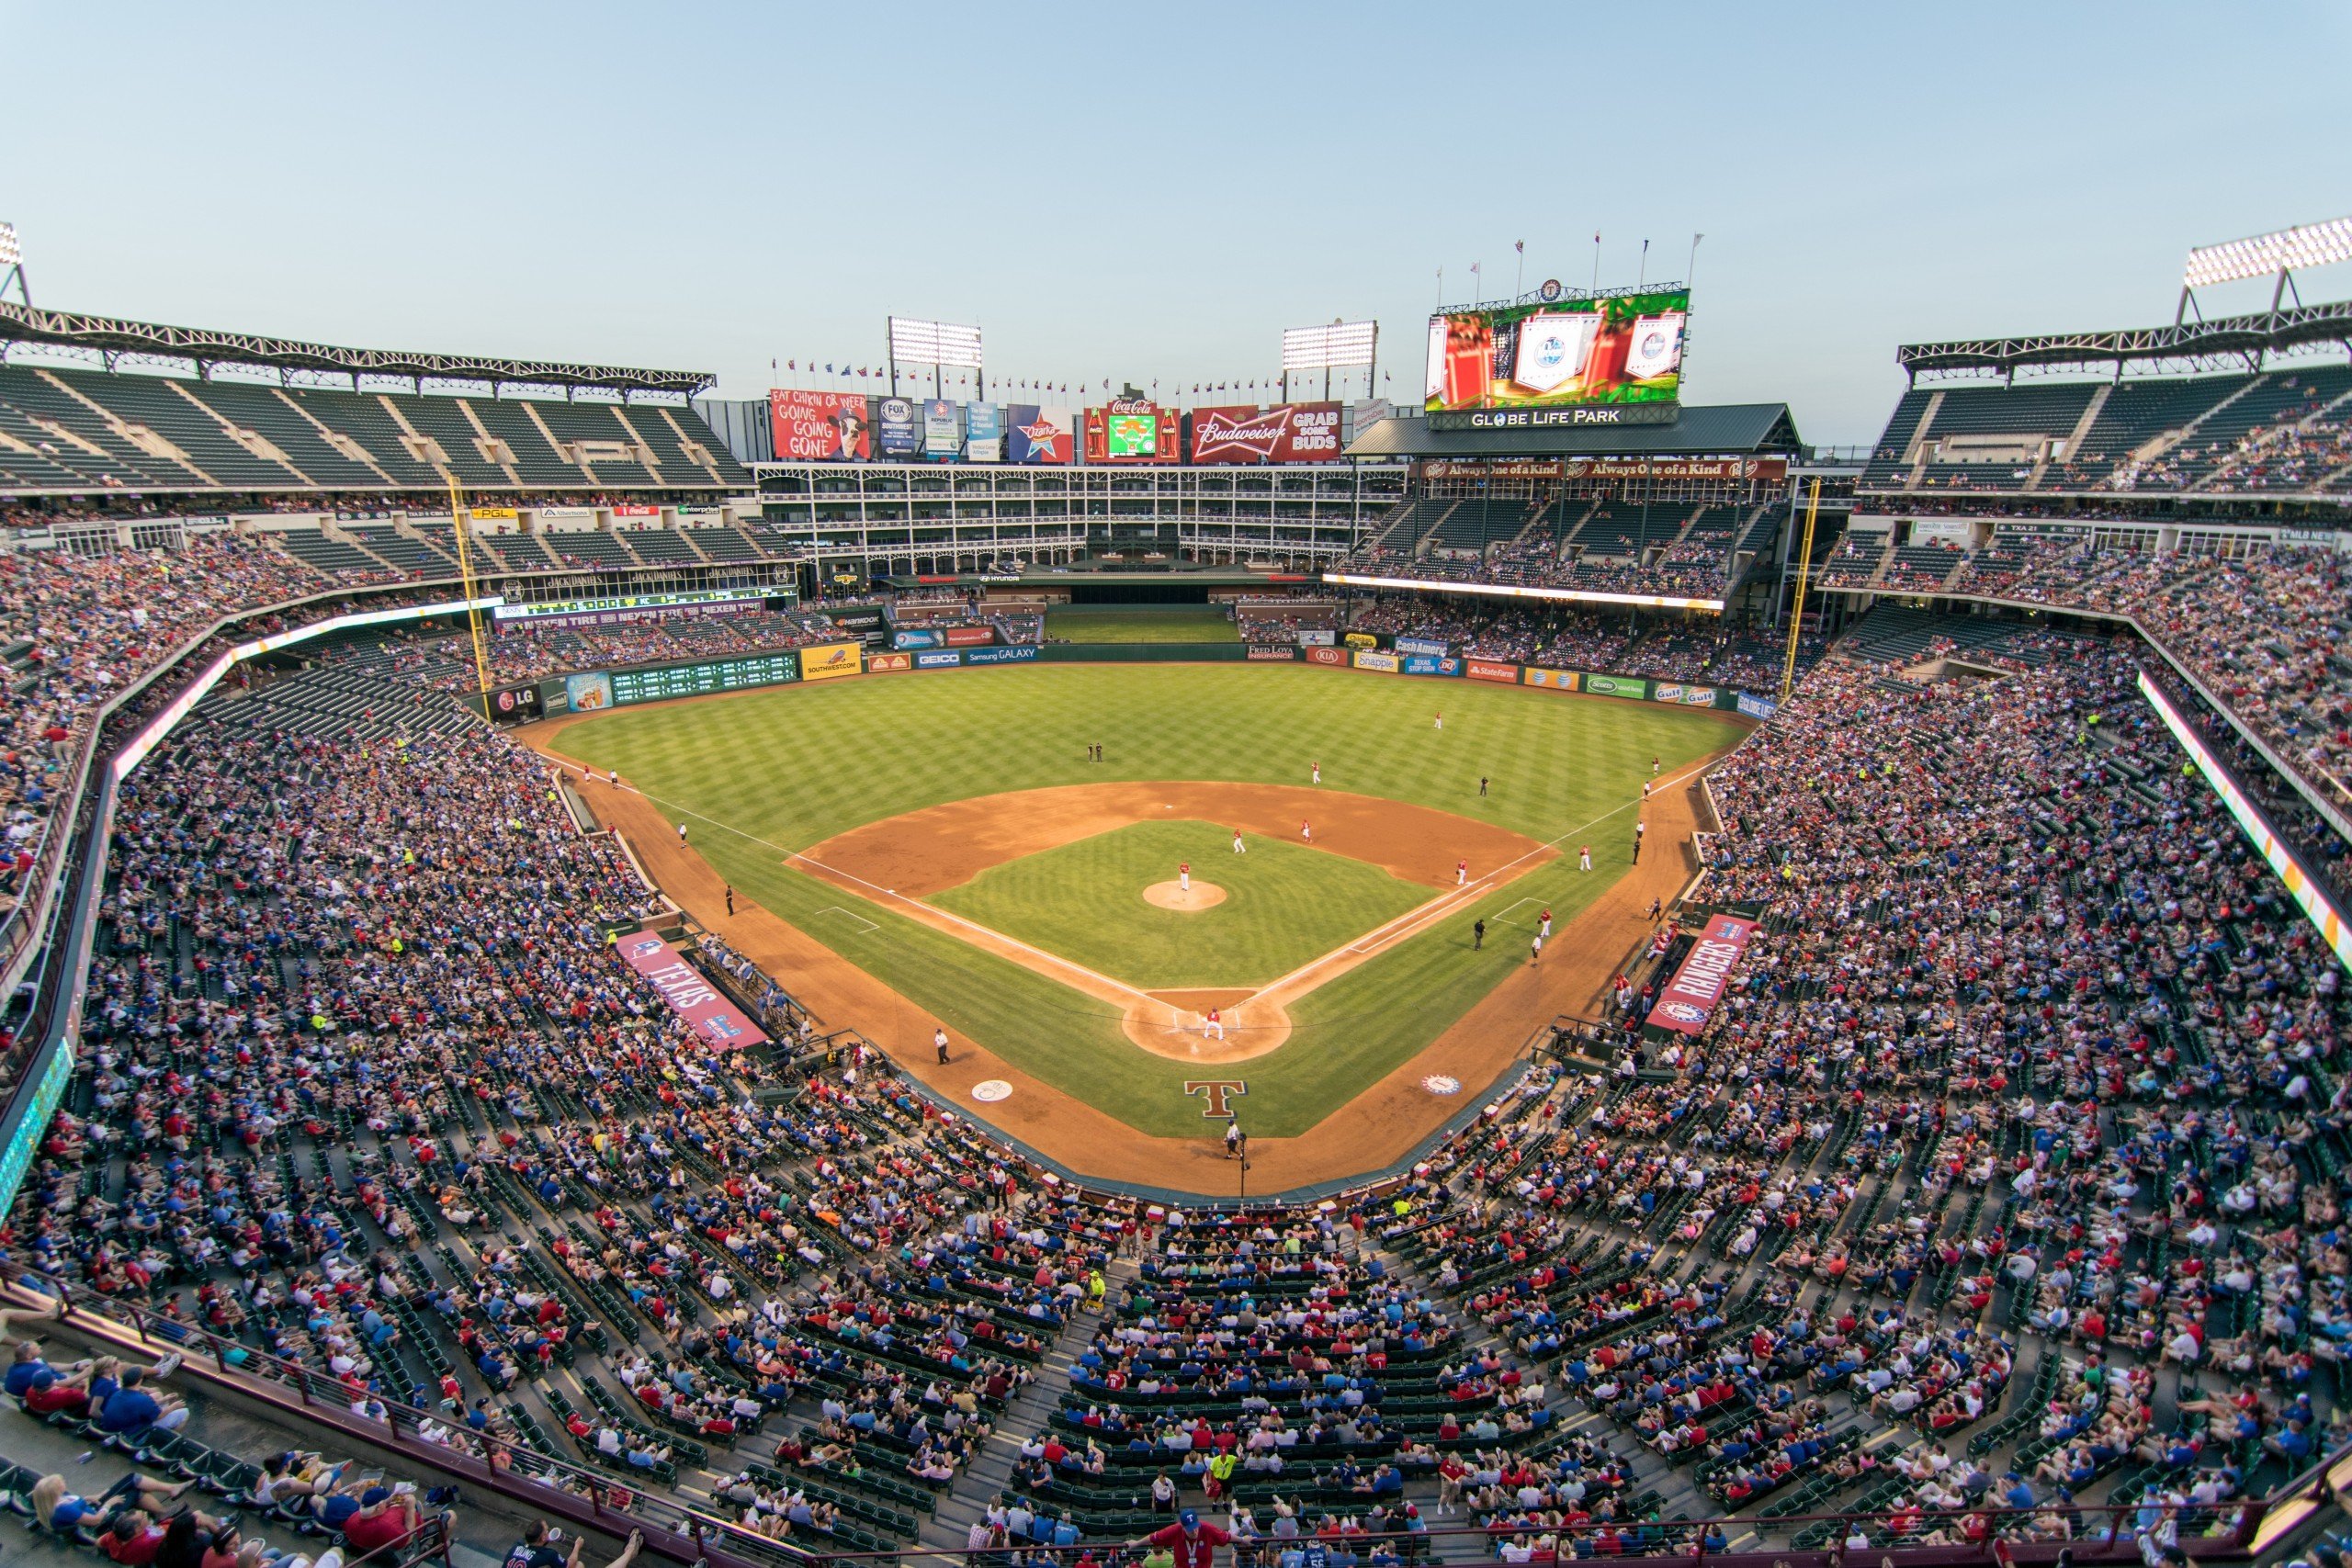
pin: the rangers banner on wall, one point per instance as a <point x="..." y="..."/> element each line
<point x="1690" y="998"/>
<point x="1293" y="433"/>
<point x="692" y="996"/>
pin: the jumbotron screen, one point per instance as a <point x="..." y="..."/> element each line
<point x="1620" y="348"/>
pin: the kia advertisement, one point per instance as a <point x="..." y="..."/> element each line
<point x="1035" y="434"/>
<point x="823" y="427"/>
<point x="1295" y="432"/>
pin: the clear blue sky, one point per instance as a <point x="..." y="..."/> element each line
<point x="1156" y="191"/>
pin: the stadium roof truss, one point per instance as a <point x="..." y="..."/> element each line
<point x="2223" y="342"/>
<point x="112" y="338"/>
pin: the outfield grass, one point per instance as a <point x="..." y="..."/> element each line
<point x="1143" y="623"/>
<point x="765" y="772"/>
<point x="1284" y="905"/>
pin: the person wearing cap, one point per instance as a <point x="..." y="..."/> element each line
<point x="52" y="1394"/>
<point x="1192" y="1543"/>
<point x="132" y="1408"/>
<point x="385" y="1518"/>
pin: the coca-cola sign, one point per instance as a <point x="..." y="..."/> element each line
<point x="1293" y="433"/>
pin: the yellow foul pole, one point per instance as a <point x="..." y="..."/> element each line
<point x="1796" y="610"/>
<point x="459" y="519"/>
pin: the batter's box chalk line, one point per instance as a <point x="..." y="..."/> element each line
<point x="1509" y="910"/>
<point x="849" y="915"/>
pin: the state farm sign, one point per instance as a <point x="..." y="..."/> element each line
<point x="1295" y="432"/>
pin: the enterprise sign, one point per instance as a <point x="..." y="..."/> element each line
<point x="1514" y="590"/>
<point x="1554" y="418"/>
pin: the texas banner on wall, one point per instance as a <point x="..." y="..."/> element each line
<point x="1035" y="434"/>
<point x="824" y="427"/>
<point x="1293" y="433"/>
<point x="690" y="994"/>
<point x="1690" y="998"/>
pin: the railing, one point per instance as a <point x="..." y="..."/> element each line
<point x="2106" y="1532"/>
<point x="589" y="1498"/>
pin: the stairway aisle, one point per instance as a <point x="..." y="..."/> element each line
<point x="991" y="1475"/>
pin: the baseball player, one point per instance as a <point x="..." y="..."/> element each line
<point x="1306" y="831"/>
<point x="1645" y="789"/>
<point x="1535" y="949"/>
<point x="939" y="1045"/>
<point x="1315" y="770"/>
<point x="1653" y="767"/>
<point x="1214" y="1023"/>
<point x="1639" y="829"/>
<point x="1184" y="878"/>
<point x="1461" y="874"/>
<point x="1584" y="858"/>
<point x="1238" y="847"/>
<point x="682" y="832"/>
<point x="1441" y="721"/>
<point x="1545" y="929"/>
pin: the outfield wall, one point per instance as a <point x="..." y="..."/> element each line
<point x="592" y="691"/>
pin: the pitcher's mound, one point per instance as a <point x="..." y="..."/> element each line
<point x="1170" y="896"/>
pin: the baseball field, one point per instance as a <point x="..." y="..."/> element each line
<point x="948" y="835"/>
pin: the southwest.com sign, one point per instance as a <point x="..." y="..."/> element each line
<point x="1515" y="590"/>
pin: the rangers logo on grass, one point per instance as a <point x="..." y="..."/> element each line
<point x="988" y="1092"/>
<point x="1442" y="1083"/>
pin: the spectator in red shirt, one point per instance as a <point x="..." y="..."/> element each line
<point x="1193" y="1542"/>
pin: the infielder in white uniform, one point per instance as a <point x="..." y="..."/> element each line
<point x="1461" y="872"/>
<point x="1306" y="831"/>
<point x="1316" y="769"/>
<point x="1238" y="847"/>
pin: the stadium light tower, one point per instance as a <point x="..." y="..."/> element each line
<point x="2280" y="252"/>
<point x="12" y="265"/>
<point x="937" y="345"/>
<point x="1337" y="346"/>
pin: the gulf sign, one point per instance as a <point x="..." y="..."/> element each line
<point x="1690" y="998"/>
<point x="831" y="662"/>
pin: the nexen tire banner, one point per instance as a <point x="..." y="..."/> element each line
<point x="1487" y="670"/>
<point x="1690" y="998"/>
<point x="875" y="662"/>
<point x="831" y="662"/>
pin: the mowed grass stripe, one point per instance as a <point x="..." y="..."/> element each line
<point x="1284" y="905"/>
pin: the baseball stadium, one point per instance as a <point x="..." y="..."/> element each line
<point x="893" y="961"/>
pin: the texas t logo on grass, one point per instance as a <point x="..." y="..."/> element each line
<point x="1217" y="1090"/>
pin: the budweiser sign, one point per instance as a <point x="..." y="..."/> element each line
<point x="1293" y="433"/>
